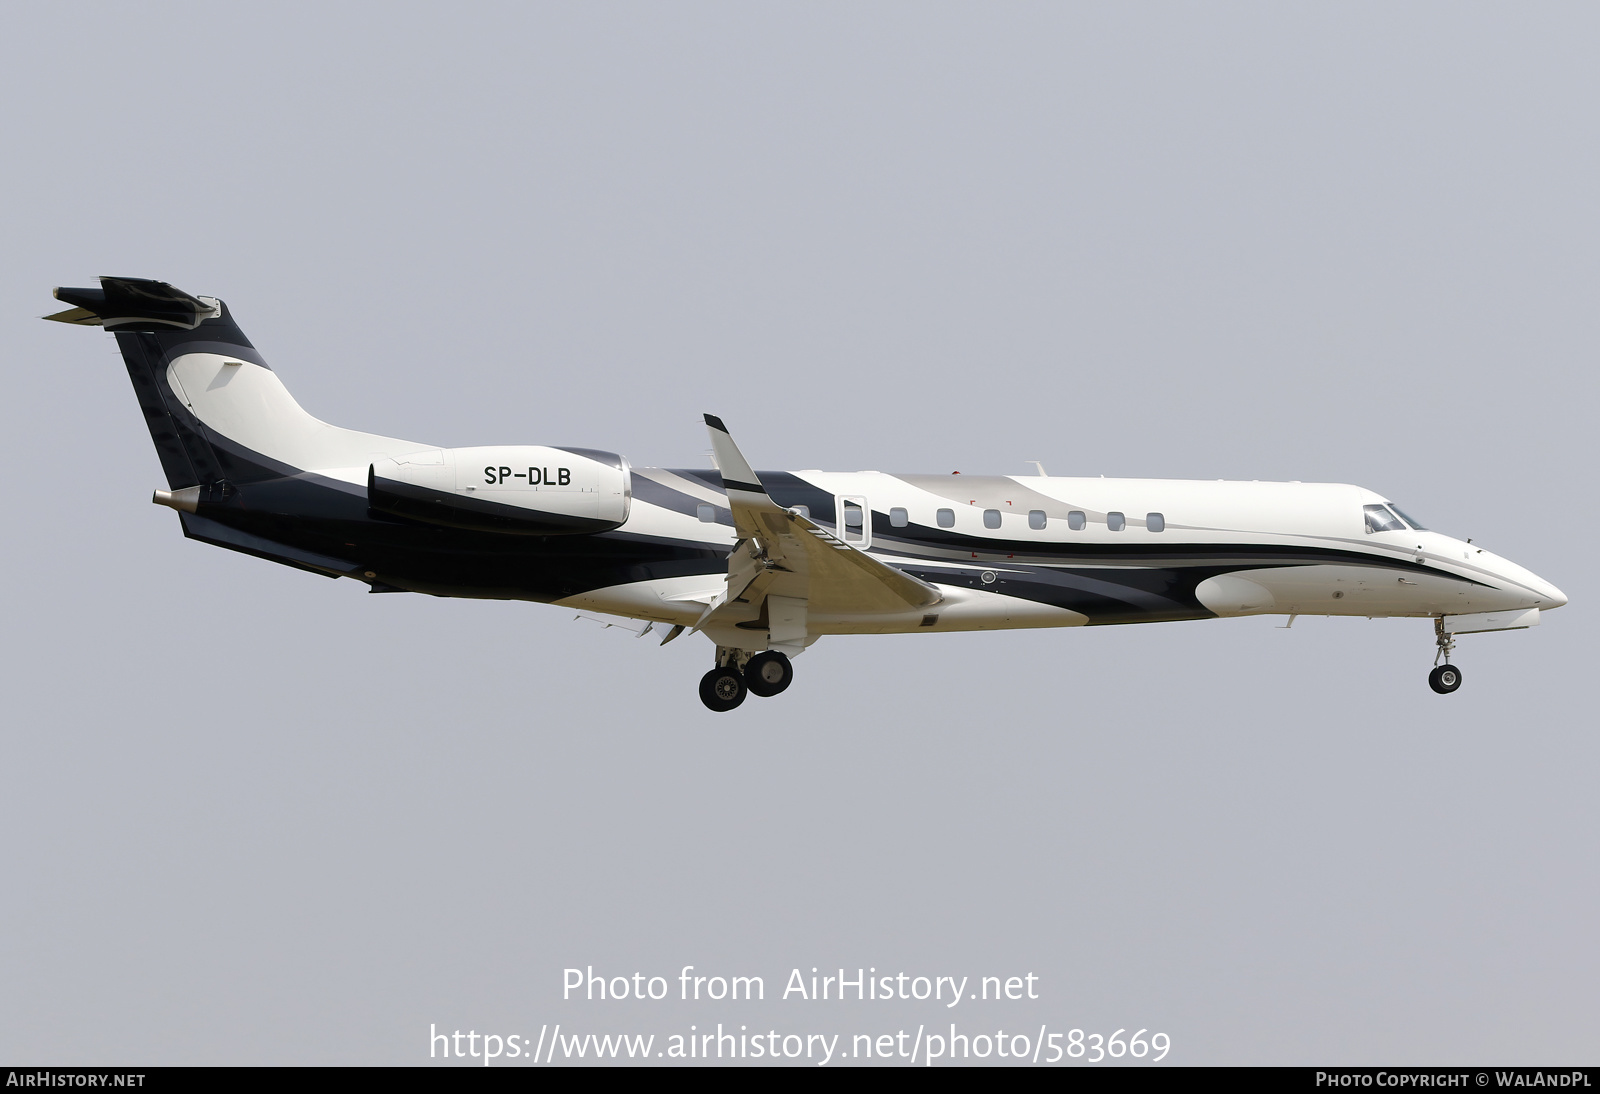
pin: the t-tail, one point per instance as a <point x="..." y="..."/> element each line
<point x="223" y="424"/>
<point x="155" y="324"/>
<point x="249" y="469"/>
<point x="217" y="413"/>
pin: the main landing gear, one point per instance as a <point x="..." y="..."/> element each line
<point x="1445" y="677"/>
<point x="723" y="688"/>
<point x="738" y="673"/>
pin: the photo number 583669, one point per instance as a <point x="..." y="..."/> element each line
<point x="1094" y="1047"/>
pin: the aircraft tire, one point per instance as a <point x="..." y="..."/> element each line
<point x="768" y="673"/>
<point x="1444" y="679"/>
<point x="722" y="689"/>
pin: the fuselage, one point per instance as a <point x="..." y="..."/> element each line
<point x="1047" y="551"/>
<point x="1006" y="551"/>
<point x="1002" y="551"/>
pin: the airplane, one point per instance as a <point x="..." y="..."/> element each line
<point x="762" y="563"/>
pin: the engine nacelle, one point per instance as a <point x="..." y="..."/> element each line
<point x="526" y="490"/>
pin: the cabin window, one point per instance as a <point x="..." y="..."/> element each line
<point x="991" y="518"/>
<point x="899" y="518"/>
<point x="1379" y="519"/>
<point x="1116" y="522"/>
<point x="1407" y="517"/>
<point x="1036" y="519"/>
<point x="1076" y="520"/>
<point x="947" y="518"/>
<point x="1155" y="522"/>
<point x="707" y="513"/>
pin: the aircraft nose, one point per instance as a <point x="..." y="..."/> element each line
<point x="1535" y="591"/>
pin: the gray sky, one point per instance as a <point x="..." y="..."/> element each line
<point x="253" y="816"/>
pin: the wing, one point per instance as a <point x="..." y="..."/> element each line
<point x="784" y="566"/>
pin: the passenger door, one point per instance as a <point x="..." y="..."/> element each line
<point x="855" y="522"/>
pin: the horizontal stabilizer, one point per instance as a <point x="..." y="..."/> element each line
<point x="221" y="535"/>
<point x="133" y="303"/>
<point x="82" y="317"/>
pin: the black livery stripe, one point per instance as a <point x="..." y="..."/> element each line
<point x="175" y="439"/>
<point x="787" y="489"/>
<point x="952" y="546"/>
<point x="451" y="509"/>
<point x="188" y="458"/>
<point x="712" y="479"/>
<point x="221" y="535"/>
<point x="790" y="490"/>
<point x="1104" y="596"/>
<point x="307" y="520"/>
<point x="659" y="494"/>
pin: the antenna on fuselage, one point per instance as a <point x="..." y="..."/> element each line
<point x="1042" y="473"/>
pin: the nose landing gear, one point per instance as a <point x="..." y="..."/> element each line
<point x="1445" y="677"/>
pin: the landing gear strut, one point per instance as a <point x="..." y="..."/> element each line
<point x="1445" y="677"/>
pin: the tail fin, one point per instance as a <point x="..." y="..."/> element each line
<point x="154" y="324"/>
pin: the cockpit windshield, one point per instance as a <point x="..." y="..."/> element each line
<point x="1407" y="517"/>
<point x="1379" y="519"/>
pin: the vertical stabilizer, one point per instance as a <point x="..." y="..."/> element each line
<point x="155" y="324"/>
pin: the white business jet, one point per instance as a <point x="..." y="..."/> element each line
<point x="763" y="563"/>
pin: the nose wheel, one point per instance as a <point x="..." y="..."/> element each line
<point x="1445" y="677"/>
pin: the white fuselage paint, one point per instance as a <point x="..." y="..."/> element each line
<point x="1198" y="514"/>
<point x="249" y="405"/>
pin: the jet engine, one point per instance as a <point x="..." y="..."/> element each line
<point x="526" y="490"/>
